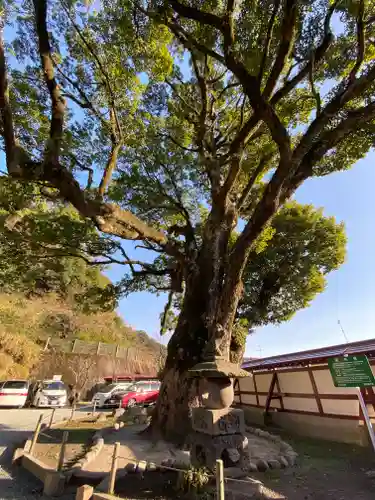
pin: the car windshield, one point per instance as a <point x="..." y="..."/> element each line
<point x="109" y="388"/>
<point x="53" y="386"/>
<point x="15" y="384"/>
<point x="132" y="388"/>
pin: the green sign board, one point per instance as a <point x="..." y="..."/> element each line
<point x="351" y="371"/>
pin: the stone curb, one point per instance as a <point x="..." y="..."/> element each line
<point x="96" y="447"/>
<point x="287" y="459"/>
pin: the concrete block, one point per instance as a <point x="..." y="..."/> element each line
<point x="283" y="462"/>
<point x="141" y="467"/>
<point x="217" y="422"/>
<point x="104" y="484"/>
<point x="84" y="492"/>
<point x="262" y="465"/>
<point x="118" y="412"/>
<point x="151" y="467"/>
<point x="274" y="464"/>
<point x="17" y="456"/>
<point x="35" y="466"/>
<point x="54" y="484"/>
<point x="234" y="472"/>
<point x="130" y="467"/>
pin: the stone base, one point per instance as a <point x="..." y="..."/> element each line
<point x="218" y="422"/>
<point x="206" y="449"/>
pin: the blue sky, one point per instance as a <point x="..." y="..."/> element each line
<point x="350" y="293"/>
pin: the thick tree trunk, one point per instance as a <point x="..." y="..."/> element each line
<point x="188" y="346"/>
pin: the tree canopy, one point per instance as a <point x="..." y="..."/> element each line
<point x="291" y="270"/>
<point x="168" y="123"/>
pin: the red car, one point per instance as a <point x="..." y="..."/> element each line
<point x="141" y="393"/>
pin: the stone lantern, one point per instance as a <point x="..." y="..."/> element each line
<point x="218" y="429"/>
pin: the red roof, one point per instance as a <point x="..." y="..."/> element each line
<point x="313" y="356"/>
<point x="128" y="376"/>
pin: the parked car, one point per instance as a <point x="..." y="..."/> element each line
<point x="114" y="400"/>
<point x="48" y="393"/>
<point x="101" y="397"/>
<point x="144" y="393"/>
<point x="13" y="393"/>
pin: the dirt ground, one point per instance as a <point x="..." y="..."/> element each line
<point x="324" y="471"/>
<point x="80" y="434"/>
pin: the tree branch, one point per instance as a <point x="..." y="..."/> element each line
<point x="252" y="180"/>
<point x="314" y="92"/>
<point x="268" y="40"/>
<point x="6" y="112"/>
<point x="100" y="66"/>
<point x="58" y="102"/>
<point x="86" y="104"/>
<point x="83" y="167"/>
<point x="317" y="57"/>
<point x="286" y="44"/>
<point x="172" y="139"/>
<point x="110" y="167"/>
<point x="360" y="42"/>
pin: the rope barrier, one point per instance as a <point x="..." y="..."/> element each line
<point x="174" y="469"/>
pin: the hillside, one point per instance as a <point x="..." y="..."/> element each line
<point x="26" y="323"/>
<point x="52" y="284"/>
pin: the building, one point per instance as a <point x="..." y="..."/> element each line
<point x="297" y="392"/>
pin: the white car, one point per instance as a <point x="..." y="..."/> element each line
<point x="104" y="394"/>
<point x="14" y="393"/>
<point x="49" y="393"/>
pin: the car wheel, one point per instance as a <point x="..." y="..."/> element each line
<point x="131" y="403"/>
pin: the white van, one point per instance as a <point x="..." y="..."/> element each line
<point x="49" y="393"/>
<point x="13" y="393"/>
<point x="100" y="397"/>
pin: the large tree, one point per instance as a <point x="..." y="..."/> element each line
<point x="177" y="155"/>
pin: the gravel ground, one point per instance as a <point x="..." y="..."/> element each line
<point x="15" y="427"/>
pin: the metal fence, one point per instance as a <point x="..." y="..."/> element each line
<point x="77" y="346"/>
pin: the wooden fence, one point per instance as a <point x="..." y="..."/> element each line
<point x="305" y="399"/>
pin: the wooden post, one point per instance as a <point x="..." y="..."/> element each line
<point x="52" y="417"/>
<point x="112" y="475"/>
<point x="220" y="495"/>
<point x="62" y="450"/>
<point x="47" y="344"/>
<point x="73" y="411"/>
<point x="36" y="434"/>
<point x="74" y="345"/>
<point x="98" y="349"/>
